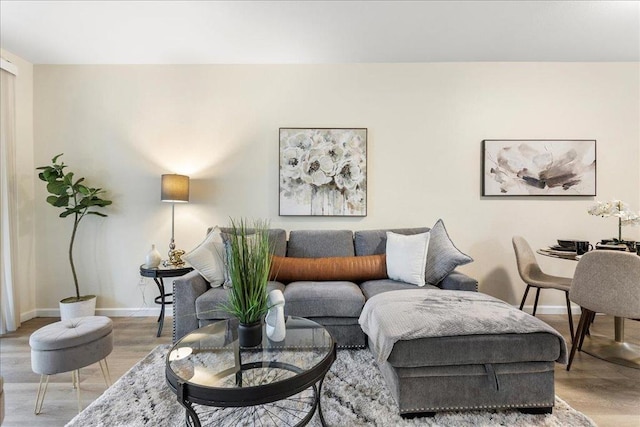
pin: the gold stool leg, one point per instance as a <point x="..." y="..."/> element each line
<point x="39" y="398"/>
<point x="77" y="381"/>
<point x="105" y="372"/>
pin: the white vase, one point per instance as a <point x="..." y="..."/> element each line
<point x="71" y="310"/>
<point x="153" y="258"/>
<point x="274" y="321"/>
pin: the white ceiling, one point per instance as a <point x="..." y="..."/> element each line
<point x="208" y="32"/>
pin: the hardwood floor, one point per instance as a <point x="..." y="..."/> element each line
<point x="609" y="394"/>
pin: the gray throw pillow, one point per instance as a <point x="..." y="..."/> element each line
<point x="442" y="257"/>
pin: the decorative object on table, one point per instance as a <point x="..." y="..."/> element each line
<point x="582" y="247"/>
<point x="153" y="258"/>
<point x="174" y="189"/>
<point x="323" y="172"/>
<point x="249" y="262"/>
<point x="274" y="320"/>
<point x="539" y="167"/>
<point x="620" y="210"/>
<point x="77" y="200"/>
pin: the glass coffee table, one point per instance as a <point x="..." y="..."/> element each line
<point x="276" y="383"/>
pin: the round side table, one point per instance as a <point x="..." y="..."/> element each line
<point x="158" y="274"/>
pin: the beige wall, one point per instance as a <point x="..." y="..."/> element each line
<point x="24" y="165"/>
<point x="124" y="126"/>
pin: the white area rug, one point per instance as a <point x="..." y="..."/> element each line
<point x="354" y="394"/>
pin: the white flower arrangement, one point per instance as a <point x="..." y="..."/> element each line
<point x="616" y="208"/>
<point x="325" y="169"/>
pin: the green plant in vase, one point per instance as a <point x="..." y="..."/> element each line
<point x="76" y="200"/>
<point x="249" y="262"/>
<point x="618" y="209"/>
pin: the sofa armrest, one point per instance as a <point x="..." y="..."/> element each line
<point x="186" y="290"/>
<point x="457" y="281"/>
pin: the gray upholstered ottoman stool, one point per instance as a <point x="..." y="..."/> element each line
<point x="68" y="346"/>
<point x="454" y="350"/>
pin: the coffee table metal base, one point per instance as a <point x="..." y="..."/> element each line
<point x="271" y="413"/>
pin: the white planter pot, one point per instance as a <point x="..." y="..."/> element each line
<point x="71" y="310"/>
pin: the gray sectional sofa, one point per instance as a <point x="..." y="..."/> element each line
<point x="505" y="360"/>
<point x="335" y="304"/>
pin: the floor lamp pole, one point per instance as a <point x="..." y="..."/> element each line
<point x="172" y="245"/>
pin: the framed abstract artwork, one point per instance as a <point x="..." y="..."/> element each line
<point x="538" y="167"/>
<point x="323" y="172"/>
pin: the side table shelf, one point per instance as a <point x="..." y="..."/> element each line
<point x="158" y="274"/>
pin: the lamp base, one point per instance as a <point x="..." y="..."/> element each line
<point x="175" y="259"/>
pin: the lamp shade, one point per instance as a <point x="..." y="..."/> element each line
<point x="175" y="188"/>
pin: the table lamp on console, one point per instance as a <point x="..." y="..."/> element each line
<point x="174" y="189"/>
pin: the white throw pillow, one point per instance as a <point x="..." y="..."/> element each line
<point x="407" y="257"/>
<point x="207" y="258"/>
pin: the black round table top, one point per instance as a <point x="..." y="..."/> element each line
<point x="162" y="271"/>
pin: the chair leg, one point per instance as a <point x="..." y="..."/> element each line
<point x="524" y="298"/>
<point x="535" y="304"/>
<point x="579" y="335"/>
<point x="566" y="294"/>
<point x="40" y="396"/>
<point x="592" y="315"/>
<point x="105" y="372"/>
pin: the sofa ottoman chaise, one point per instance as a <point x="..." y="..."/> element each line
<point x="455" y="351"/>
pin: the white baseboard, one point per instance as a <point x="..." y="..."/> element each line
<point x="109" y="312"/>
<point x="552" y="309"/>
<point x="31" y="314"/>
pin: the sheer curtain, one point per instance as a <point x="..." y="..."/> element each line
<point x="9" y="303"/>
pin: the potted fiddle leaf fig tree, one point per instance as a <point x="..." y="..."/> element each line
<point x="249" y="261"/>
<point x="77" y="200"/>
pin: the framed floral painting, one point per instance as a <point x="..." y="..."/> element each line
<point x="541" y="167"/>
<point x="323" y="172"/>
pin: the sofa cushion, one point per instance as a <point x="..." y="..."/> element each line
<point x="323" y="299"/>
<point x="407" y="257"/>
<point x="277" y="239"/>
<point x="475" y="349"/>
<point x="375" y="287"/>
<point x="210" y="304"/>
<point x="443" y="256"/>
<point x="353" y="269"/>
<point x="374" y="242"/>
<point x="320" y="243"/>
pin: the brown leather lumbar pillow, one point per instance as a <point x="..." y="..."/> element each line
<point x="352" y="269"/>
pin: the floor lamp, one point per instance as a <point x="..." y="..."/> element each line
<point x="174" y="189"/>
